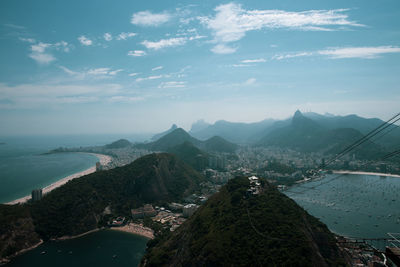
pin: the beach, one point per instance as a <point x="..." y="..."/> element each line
<point x="367" y="173"/>
<point x="136" y="229"/>
<point x="104" y="160"/>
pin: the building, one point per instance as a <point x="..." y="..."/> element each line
<point x="98" y="166"/>
<point x="36" y="194"/>
<point x="145" y="211"/>
<point x="189" y="209"/>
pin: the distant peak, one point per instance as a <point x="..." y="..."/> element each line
<point x="173" y="127"/>
<point x="297" y="114"/>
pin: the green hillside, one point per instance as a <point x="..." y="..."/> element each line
<point x="234" y="229"/>
<point x="78" y="206"/>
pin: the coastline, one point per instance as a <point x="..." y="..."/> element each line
<point x="367" y="173"/>
<point x="22" y="251"/>
<point x="104" y="160"/>
<point x="135" y="229"/>
<point x="67" y="237"/>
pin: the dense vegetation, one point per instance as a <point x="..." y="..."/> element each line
<point x="191" y="155"/>
<point x="78" y="206"/>
<point x="16" y="229"/>
<point x="233" y="229"/>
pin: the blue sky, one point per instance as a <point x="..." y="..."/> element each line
<point x="82" y="67"/>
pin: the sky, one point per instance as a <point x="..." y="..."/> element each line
<point x="85" y="67"/>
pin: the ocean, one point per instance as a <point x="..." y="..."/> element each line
<point x="23" y="167"/>
<point x="352" y="205"/>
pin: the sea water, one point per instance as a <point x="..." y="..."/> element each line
<point x="363" y="206"/>
<point x="24" y="167"/>
<point x="103" y="248"/>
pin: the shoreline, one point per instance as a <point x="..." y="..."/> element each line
<point x="136" y="229"/>
<point x="68" y="237"/>
<point x="22" y="251"/>
<point x="367" y="173"/>
<point x="104" y="160"/>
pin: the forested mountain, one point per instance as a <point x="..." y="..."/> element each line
<point x="78" y="206"/>
<point x="234" y="228"/>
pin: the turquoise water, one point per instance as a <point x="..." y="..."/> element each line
<point x="103" y="248"/>
<point x="23" y="168"/>
<point x="353" y="205"/>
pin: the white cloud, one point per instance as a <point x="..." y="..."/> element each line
<point x="146" y="18"/>
<point x="133" y="74"/>
<point x="172" y="84"/>
<point x="367" y="52"/>
<point x="63" y="46"/>
<point x="85" y="41"/>
<point x="40" y="47"/>
<point x="42" y="58"/>
<point x="98" y="71"/>
<point x="125" y="35"/>
<point x="292" y="55"/>
<point x="157" y="68"/>
<point x="164" y="43"/>
<point x="107" y="36"/>
<point x="258" y="60"/>
<point x="115" y="72"/>
<point x="250" y="81"/>
<point x="155" y="77"/>
<point x="223" y="49"/>
<point x="231" y="21"/>
<point x="28" y="40"/>
<point x="359" y="52"/>
<point x="136" y="53"/>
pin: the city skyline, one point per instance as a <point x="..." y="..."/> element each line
<point x="95" y="67"/>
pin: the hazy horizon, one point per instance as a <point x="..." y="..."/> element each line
<point x="97" y="67"/>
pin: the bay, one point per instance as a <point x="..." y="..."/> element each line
<point x="365" y="206"/>
<point x="102" y="248"/>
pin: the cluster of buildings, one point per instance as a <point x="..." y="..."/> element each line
<point x="142" y="212"/>
<point x="255" y="186"/>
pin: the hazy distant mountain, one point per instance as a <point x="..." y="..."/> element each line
<point x="180" y="136"/>
<point x="235" y="229"/>
<point x="218" y="144"/>
<point x="171" y="139"/>
<point x="198" y="126"/>
<point x="121" y="143"/>
<point x="159" y="135"/>
<point x="307" y="135"/>
<point x="236" y="132"/>
<point x="363" y="125"/>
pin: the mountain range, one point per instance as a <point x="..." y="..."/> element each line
<point x="180" y="136"/>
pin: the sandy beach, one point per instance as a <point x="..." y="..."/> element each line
<point x="136" y="229"/>
<point x="367" y="173"/>
<point x="104" y="160"/>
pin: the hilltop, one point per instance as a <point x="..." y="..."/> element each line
<point x="78" y="206"/>
<point x="234" y="228"/>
